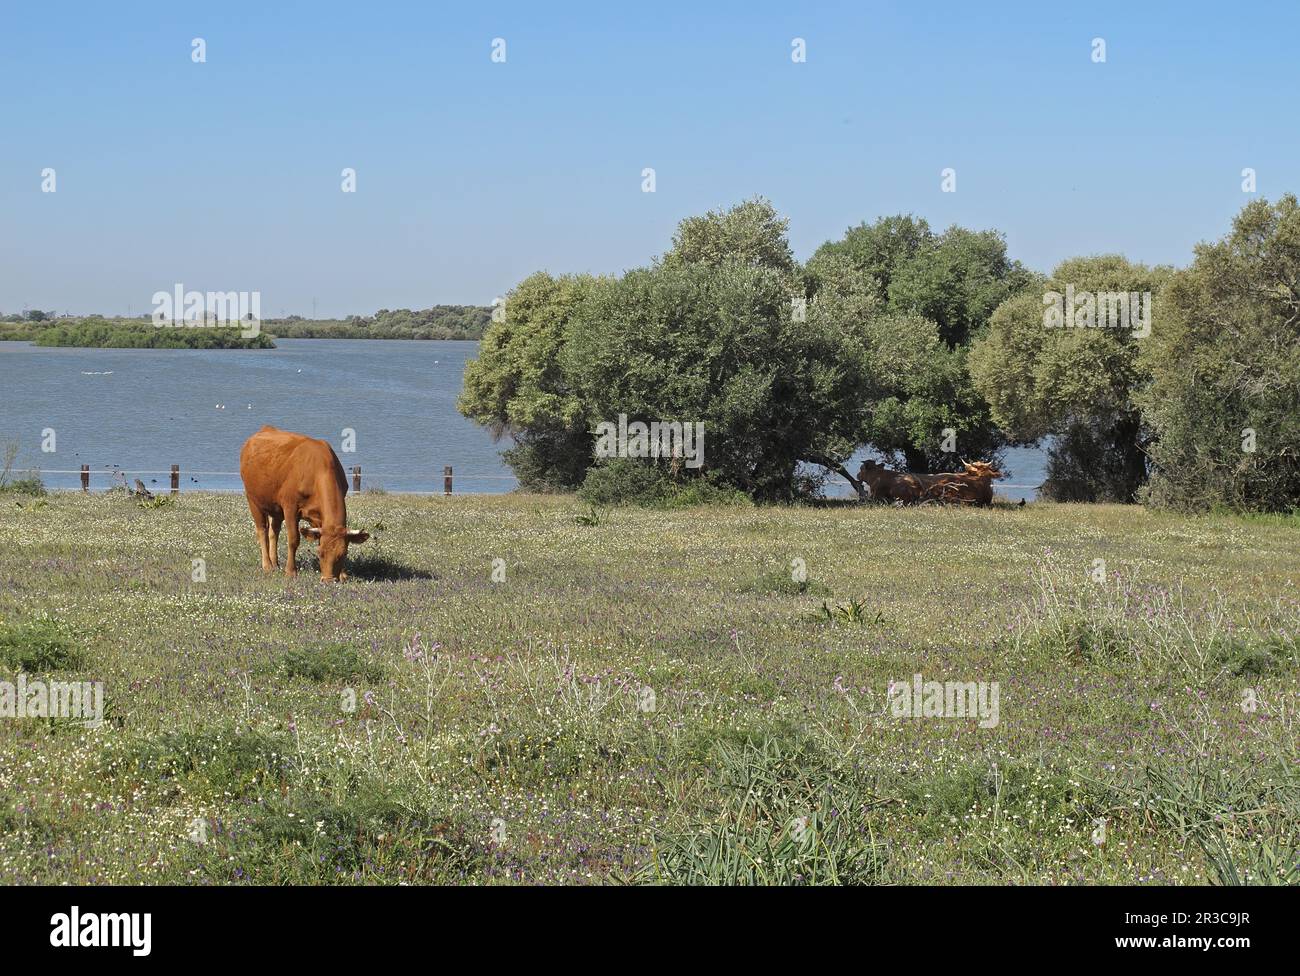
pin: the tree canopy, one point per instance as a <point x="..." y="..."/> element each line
<point x="929" y="349"/>
<point x="783" y="365"/>
<point x="1224" y="398"/>
<point x="1076" y="385"/>
<point x="518" y="386"/>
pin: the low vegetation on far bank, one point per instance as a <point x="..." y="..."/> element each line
<point x="100" y="333"/>
<point x="438" y="322"/>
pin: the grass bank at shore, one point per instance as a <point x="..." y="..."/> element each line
<point x="514" y="689"/>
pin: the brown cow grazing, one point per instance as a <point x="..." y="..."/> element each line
<point x="288" y="477"/>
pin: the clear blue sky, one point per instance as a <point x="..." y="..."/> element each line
<point x="226" y="175"/>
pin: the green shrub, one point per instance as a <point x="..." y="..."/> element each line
<point x="41" y="644"/>
<point x="1079" y="636"/>
<point x="365" y="837"/>
<point x="780" y="581"/>
<point x="31" y="485"/>
<point x="625" y="481"/>
<point x="700" y="491"/>
<point x="1224" y="397"/>
<point x="329" y="662"/>
<point x="227" y="759"/>
<point x="622" y="481"/>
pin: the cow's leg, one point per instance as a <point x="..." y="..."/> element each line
<point x="259" y="523"/>
<point x="274" y="522"/>
<point x="291" y="554"/>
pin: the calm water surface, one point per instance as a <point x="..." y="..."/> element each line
<point x="142" y="410"/>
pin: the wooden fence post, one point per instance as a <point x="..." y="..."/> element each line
<point x="446" y="480"/>
<point x="176" y="479"/>
<point x="356" y="477"/>
<point x="85" y="477"/>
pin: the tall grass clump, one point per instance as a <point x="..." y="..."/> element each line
<point x="1244" y="821"/>
<point x="1117" y="624"/>
<point x="30" y="485"/>
<point x="785" y="816"/>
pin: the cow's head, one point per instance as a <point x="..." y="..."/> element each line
<point x="869" y="467"/>
<point x="878" y="478"/>
<point x="332" y="548"/>
<point x="981" y="469"/>
<point x="873" y="472"/>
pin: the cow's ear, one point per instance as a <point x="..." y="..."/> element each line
<point x="356" y="537"/>
<point x="311" y="532"/>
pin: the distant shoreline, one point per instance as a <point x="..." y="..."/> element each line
<point x="19" y="340"/>
<point x="456" y="322"/>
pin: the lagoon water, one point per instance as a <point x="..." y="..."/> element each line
<point x="139" y="411"/>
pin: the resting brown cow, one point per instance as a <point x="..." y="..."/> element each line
<point x="288" y="477"/>
<point x="883" y="484"/>
<point x="973" y="487"/>
<point x="895" y="486"/>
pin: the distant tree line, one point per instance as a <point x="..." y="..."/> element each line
<point x="929" y="347"/>
<point x="438" y="322"/>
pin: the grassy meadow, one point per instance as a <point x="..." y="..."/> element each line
<point x="652" y="696"/>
